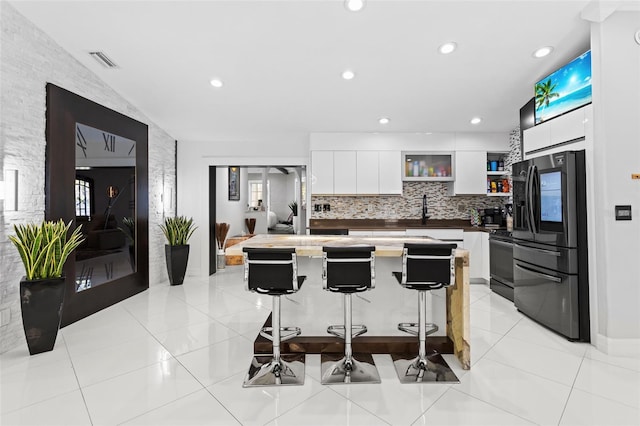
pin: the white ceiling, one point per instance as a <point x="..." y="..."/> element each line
<point x="281" y="61"/>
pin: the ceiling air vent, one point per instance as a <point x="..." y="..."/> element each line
<point x="103" y="59"/>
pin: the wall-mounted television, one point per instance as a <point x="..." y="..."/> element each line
<point x="564" y="90"/>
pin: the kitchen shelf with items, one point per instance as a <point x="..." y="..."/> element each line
<point x="498" y="184"/>
<point x="425" y="166"/>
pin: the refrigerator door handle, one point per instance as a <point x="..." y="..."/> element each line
<point x="529" y="197"/>
<point x="535" y="188"/>
<point x="546" y="276"/>
<point x="551" y="252"/>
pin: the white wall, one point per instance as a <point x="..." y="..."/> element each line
<point x="616" y="155"/>
<point x="231" y="212"/>
<point x="29" y="59"/>
<point x="282" y="188"/>
<point x="194" y="159"/>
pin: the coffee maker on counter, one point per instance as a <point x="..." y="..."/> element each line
<point x="494" y="218"/>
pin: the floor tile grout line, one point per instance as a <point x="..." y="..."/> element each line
<point x="191" y="374"/>
<point x="431" y="405"/>
<point x="294" y="407"/>
<point x="493" y="405"/>
<point x="566" y="403"/>
<point x="611" y="364"/>
<point x="529" y="372"/>
<point x="84" y="400"/>
<point x="541" y="346"/>
<point x="601" y="396"/>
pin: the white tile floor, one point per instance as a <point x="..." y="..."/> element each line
<point x="178" y="356"/>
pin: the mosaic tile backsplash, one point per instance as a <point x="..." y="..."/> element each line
<point x="409" y="204"/>
<point x="406" y="206"/>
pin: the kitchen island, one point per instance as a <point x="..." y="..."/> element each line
<point x="455" y="341"/>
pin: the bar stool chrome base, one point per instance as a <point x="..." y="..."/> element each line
<point x="266" y="371"/>
<point x="335" y="369"/>
<point x="432" y="368"/>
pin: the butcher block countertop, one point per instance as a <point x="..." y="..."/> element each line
<point x="393" y="224"/>
<point x="457" y="296"/>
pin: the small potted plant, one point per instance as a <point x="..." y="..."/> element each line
<point x="44" y="249"/>
<point x="222" y="229"/>
<point x="177" y="230"/>
<point x="293" y="206"/>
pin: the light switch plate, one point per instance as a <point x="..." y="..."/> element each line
<point x="623" y="212"/>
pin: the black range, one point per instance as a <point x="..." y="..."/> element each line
<point x="501" y="262"/>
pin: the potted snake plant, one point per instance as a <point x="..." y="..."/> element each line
<point x="177" y="230"/>
<point x="44" y="249"/>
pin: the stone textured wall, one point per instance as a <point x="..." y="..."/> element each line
<point x="28" y="60"/>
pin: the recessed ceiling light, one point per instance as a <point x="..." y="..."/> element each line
<point x="348" y="74"/>
<point x="476" y="120"/>
<point x="447" y="47"/>
<point x="542" y="52"/>
<point x="216" y="82"/>
<point x="354" y="5"/>
<point x="384" y="120"/>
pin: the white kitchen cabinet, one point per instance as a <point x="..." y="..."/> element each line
<point x="389" y="233"/>
<point x="486" y="274"/>
<point x="471" y="172"/>
<point x="359" y="233"/>
<point x="452" y="235"/>
<point x="390" y="172"/>
<point x="568" y="127"/>
<point x="344" y="172"/>
<point x="428" y="166"/>
<point x="322" y="172"/>
<point x="566" y="132"/>
<point x="473" y="243"/>
<point x="367" y="172"/>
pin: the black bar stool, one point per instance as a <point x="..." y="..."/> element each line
<point x="274" y="271"/>
<point x="348" y="270"/>
<point x="425" y="267"/>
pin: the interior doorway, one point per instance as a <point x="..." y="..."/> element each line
<point x="268" y="199"/>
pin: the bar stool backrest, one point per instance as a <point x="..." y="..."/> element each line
<point x="348" y="269"/>
<point x="271" y="270"/>
<point x="428" y="266"/>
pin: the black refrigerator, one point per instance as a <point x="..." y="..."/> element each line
<point x="550" y="269"/>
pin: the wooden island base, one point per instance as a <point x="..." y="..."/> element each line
<point x="361" y="344"/>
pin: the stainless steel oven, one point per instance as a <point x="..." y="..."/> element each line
<point x="501" y="263"/>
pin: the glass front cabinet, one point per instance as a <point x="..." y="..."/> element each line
<point x="427" y="166"/>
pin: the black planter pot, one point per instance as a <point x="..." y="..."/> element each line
<point x="177" y="257"/>
<point x="41" y="302"/>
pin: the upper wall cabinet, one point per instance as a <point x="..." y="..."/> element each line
<point x="344" y="172"/>
<point x="471" y="172"/>
<point x="426" y="166"/>
<point x="558" y="133"/>
<point x="368" y="172"/>
<point x="356" y="172"/>
<point x="390" y="172"/>
<point x="322" y="172"/>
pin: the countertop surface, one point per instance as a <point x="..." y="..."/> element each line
<point x="394" y="224"/>
<point x="311" y="245"/>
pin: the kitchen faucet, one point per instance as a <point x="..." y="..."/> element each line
<point x="425" y="210"/>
